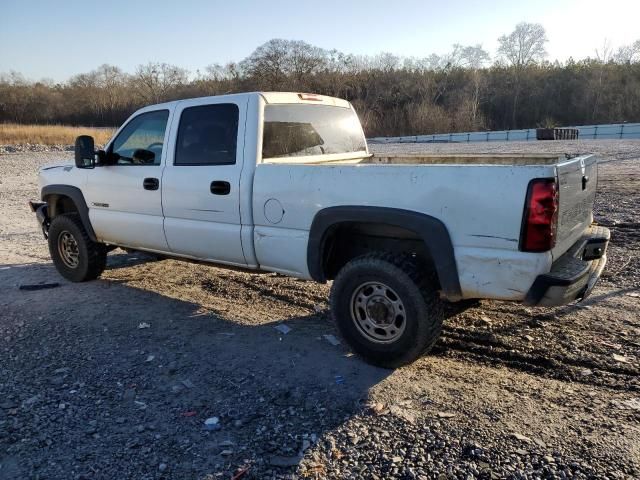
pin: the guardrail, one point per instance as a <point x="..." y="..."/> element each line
<point x="593" y="132"/>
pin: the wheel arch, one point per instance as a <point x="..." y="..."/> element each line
<point x="59" y="199"/>
<point x="418" y="229"/>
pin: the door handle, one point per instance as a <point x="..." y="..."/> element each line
<point x="220" y="187"/>
<point x="151" y="184"/>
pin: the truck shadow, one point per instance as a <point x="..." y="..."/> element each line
<point x="147" y="370"/>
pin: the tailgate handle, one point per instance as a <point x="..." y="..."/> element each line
<point x="585" y="180"/>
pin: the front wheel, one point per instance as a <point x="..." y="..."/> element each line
<point x="386" y="308"/>
<point x="74" y="254"/>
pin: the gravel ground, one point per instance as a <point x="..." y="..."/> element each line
<point x="508" y="392"/>
<point x="34" y="148"/>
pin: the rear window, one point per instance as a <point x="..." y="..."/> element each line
<point x="299" y="130"/>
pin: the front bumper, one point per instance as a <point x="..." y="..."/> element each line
<point x="574" y="274"/>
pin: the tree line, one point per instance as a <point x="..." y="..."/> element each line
<point x="462" y="90"/>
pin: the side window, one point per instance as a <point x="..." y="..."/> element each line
<point x="208" y="135"/>
<point x="142" y="139"/>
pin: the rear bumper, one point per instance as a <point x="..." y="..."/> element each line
<point x="574" y="274"/>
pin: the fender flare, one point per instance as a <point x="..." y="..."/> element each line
<point x="432" y="231"/>
<point x="74" y="193"/>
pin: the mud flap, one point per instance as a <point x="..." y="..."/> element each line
<point x="42" y="216"/>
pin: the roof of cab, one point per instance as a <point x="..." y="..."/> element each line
<point x="273" y="98"/>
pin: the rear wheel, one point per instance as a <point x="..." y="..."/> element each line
<point x="74" y="254"/>
<point x="386" y="308"/>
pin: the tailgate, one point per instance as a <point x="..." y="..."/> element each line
<point x="577" y="180"/>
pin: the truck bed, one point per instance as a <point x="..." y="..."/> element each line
<point x="481" y="207"/>
<point x="479" y="198"/>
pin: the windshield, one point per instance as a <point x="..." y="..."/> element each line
<point x="296" y="130"/>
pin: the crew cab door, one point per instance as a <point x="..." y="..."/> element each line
<point x="201" y="183"/>
<point x="124" y="198"/>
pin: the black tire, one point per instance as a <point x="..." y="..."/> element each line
<point x="419" y="309"/>
<point x="89" y="258"/>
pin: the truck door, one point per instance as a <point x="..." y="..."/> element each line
<point x="201" y="182"/>
<point x="124" y="197"/>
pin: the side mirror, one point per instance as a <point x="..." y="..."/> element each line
<point x="85" y="152"/>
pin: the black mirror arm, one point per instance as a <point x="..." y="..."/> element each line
<point x="101" y="158"/>
<point x="107" y="157"/>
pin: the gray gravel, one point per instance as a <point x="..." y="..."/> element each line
<point x="35" y="147"/>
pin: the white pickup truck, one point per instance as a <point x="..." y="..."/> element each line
<point x="284" y="182"/>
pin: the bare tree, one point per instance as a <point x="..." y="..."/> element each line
<point x="14" y="96"/>
<point x="277" y="60"/>
<point x="475" y="58"/>
<point x="227" y="73"/>
<point x="218" y="79"/>
<point x="305" y="59"/>
<point x="628" y="53"/>
<point x="87" y="87"/>
<point x="521" y="48"/>
<point x="359" y="63"/>
<point x="338" y="62"/>
<point x="603" y="56"/>
<point x="524" y="46"/>
<point x="215" y="72"/>
<point x="155" y="80"/>
<point x="386" y="61"/>
<point x="447" y="61"/>
<point x="268" y="62"/>
<point x="445" y="64"/>
<point x="111" y="81"/>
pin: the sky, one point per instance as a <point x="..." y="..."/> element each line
<point x="56" y="39"/>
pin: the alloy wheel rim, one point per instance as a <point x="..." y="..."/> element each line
<point x="378" y="312"/>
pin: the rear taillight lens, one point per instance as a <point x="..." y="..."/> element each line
<point x="540" y="216"/>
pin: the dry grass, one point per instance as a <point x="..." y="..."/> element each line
<point x="14" y="134"/>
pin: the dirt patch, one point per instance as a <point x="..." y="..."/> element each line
<point x="509" y="391"/>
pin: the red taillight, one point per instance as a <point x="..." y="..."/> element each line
<point x="540" y="216"/>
